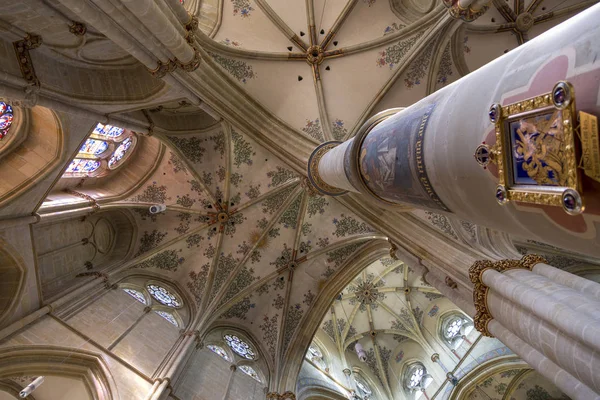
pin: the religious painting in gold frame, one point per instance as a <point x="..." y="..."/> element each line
<point x="536" y="150"/>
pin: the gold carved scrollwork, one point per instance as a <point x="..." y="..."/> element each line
<point x="22" y="48"/>
<point x="480" y="290"/>
<point x="285" y="396"/>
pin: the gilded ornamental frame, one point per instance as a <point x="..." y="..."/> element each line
<point x="536" y="150"/>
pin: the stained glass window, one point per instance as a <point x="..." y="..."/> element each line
<point x="453" y="328"/>
<point x="94" y="147"/>
<point x="414" y="375"/>
<point x="219" y="350"/>
<point x="108" y="130"/>
<point x="363" y="387"/>
<point x="168" y="316"/>
<point x="120" y="152"/>
<point x="315" y="355"/>
<point x="239" y="346"/>
<point x="249" y="371"/>
<point x="163" y="296"/>
<point x="6" y="117"/>
<point x="136" y="295"/>
<point x="82" y="165"/>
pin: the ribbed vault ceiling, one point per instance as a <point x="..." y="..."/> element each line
<point x="381" y="308"/>
<point x="373" y="54"/>
<point x="243" y="234"/>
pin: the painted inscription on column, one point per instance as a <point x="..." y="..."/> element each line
<point x="392" y="162"/>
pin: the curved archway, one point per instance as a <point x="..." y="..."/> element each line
<point x="31" y="160"/>
<point x="12" y="278"/>
<point x="341" y="279"/>
<point x="86" y="366"/>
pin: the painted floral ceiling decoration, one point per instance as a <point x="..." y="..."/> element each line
<point x="383" y="307"/>
<point x="324" y="67"/>
<point x="243" y="234"/>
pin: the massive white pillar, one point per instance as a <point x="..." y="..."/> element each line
<point x="498" y="147"/>
<point x="550" y="319"/>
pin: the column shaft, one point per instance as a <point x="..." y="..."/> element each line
<point x="585" y="286"/>
<point x="423" y="156"/>
<point x="566" y="382"/>
<point x="152" y="17"/>
<point x="561" y="315"/>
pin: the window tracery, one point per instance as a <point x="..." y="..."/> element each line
<point x="168" y="316"/>
<point x="108" y="131"/>
<point x="106" y="149"/>
<point x="454" y="329"/>
<point x="139" y="296"/>
<point x="248" y="370"/>
<point x="239" y="346"/>
<point x="219" y="350"/>
<point x="315" y="355"/>
<point x="414" y="376"/>
<point x="364" y="390"/>
<point x="82" y="166"/>
<point x="163" y="296"/>
<point x="120" y="152"/>
<point x="6" y="118"/>
<point x="93" y="147"/>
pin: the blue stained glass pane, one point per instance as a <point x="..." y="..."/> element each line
<point x="163" y="296"/>
<point x="168" y="316"/>
<point x="239" y="346"/>
<point x="120" y="152"/>
<point x="93" y="147"/>
<point x="6" y="118"/>
<point x="136" y="295"/>
<point x="108" y="130"/>
<point x="248" y="370"/>
<point x="82" y="165"/>
<point x="219" y="350"/>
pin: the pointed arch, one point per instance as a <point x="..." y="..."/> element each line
<point x="12" y="279"/>
<point x="54" y="360"/>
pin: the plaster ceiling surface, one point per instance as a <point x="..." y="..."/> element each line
<point x="243" y="234"/>
<point x="377" y="54"/>
<point x="382" y="308"/>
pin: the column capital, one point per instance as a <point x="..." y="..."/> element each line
<point x="285" y="396"/>
<point x="435" y="357"/>
<point x="465" y="11"/>
<point x="480" y="290"/>
<point x="313" y="170"/>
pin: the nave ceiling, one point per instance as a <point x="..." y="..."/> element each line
<point x="244" y="236"/>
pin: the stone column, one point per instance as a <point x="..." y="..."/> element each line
<point x="424" y="156"/>
<point x="232" y="368"/>
<point x="540" y="319"/>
